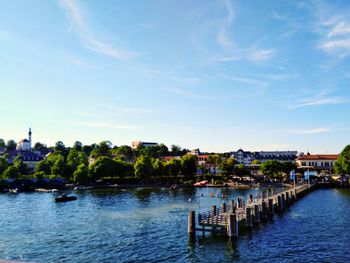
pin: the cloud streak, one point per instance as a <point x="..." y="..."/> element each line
<point x="318" y="101"/>
<point x="90" y="41"/>
<point x="311" y="131"/>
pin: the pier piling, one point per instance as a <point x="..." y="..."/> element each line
<point x="191" y="223"/>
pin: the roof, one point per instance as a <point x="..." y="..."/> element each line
<point x="319" y="157"/>
<point x="24" y="140"/>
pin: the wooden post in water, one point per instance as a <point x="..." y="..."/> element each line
<point x="232" y="207"/>
<point x="232" y="227"/>
<point x="287" y="199"/>
<point x="223" y="207"/>
<point x="191" y="223"/>
<point x="280" y="203"/>
<point x="292" y="195"/>
<point x="249" y="221"/>
<point x="283" y="201"/>
<point x="271" y="207"/>
<point x="256" y="214"/>
<point x="264" y="210"/>
<point x="213" y="210"/>
<point x="240" y="202"/>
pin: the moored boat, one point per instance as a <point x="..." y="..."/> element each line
<point x="65" y="198"/>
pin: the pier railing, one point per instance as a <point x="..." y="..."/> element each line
<point x="246" y="211"/>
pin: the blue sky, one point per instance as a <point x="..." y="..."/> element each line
<point x="218" y="75"/>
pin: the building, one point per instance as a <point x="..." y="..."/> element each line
<point x="25" y="144"/>
<point x="247" y="157"/>
<point x="24" y="152"/>
<point x="317" y="161"/>
<point x="135" y="144"/>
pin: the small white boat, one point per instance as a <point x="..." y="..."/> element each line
<point x="13" y="191"/>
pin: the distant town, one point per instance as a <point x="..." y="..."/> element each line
<point x="154" y="163"/>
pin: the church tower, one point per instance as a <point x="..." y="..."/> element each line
<point x="30" y="138"/>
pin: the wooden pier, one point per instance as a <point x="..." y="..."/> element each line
<point x="244" y="213"/>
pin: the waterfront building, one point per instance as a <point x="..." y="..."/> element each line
<point x="25" y="144"/>
<point x="24" y="152"/>
<point x="135" y="144"/>
<point x="317" y="161"/>
<point x="247" y="157"/>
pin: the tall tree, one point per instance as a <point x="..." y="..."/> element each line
<point x="43" y="166"/>
<point x="227" y="167"/>
<point x="188" y="165"/>
<point x="80" y="176"/>
<point x="342" y="164"/>
<point x="11" y="145"/>
<point x="39" y="147"/>
<point x="11" y="172"/>
<point x="2" y="144"/>
<point x="173" y="167"/>
<point x="270" y="168"/>
<point x="3" y="164"/>
<point x="59" y="166"/>
<point x="143" y="167"/>
<point x="78" y="146"/>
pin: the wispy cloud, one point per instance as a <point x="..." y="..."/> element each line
<point x="318" y="101"/>
<point x="75" y="14"/>
<point x="334" y="30"/>
<point x="311" y="131"/>
<point x="128" y="110"/>
<point x="223" y="37"/>
<point x="108" y="125"/>
<point x="261" y="55"/>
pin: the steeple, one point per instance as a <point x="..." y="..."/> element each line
<point x="30" y="137"/>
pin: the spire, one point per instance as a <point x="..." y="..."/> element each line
<point x="30" y="137"/>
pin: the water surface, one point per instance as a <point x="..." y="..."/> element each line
<point x="150" y="225"/>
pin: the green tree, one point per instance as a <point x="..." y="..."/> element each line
<point x="143" y="167"/>
<point x="286" y="168"/>
<point x="21" y="167"/>
<point x="2" y="144"/>
<point x="173" y="167"/>
<point x="73" y="159"/>
<point x="80" y="175"/>
<point x="188" y="165"/>
<point x="271" y="168"/>
<point x="78" y="146"/>
<point x="3" y="164"/>
<point x="241" y="170"/>
<point x="11" y="145"/>
<point x="39" y="147"/>
<point x="125" y="151"/>
<point x="227" y="167"/>
<point x="256" y="162"/>
<point x="102" y="167"/>
<point x="103" y="149"/>
<point x="39" y="175"/>
<point x="59" y="166"/>
<point x="11" y="172"/>
<point x="43" y="166"/>
<point x="60" y="147"/>
<point x="159" y="167"/>
<point x="342" y="164"/>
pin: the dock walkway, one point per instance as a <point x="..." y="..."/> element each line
<point x="245" y="212"/>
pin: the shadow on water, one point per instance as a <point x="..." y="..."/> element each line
<point x="224" y="249"/>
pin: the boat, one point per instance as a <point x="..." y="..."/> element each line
<point x="201" y="183"/>
<point x="65" y="198"/>
<point x="13" y="191"/>
<point x="173" y="187"/>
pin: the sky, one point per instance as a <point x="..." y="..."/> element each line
<point x="218" y="75"/>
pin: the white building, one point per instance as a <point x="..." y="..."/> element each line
<point x="25" y="144"/>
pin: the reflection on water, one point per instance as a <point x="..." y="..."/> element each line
<point x="148" y="224"/>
